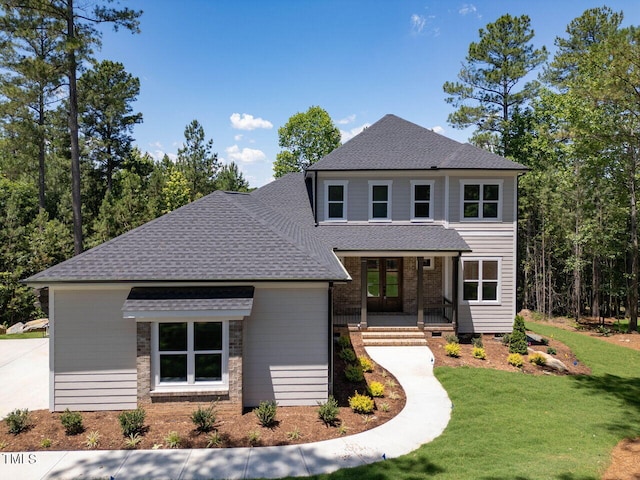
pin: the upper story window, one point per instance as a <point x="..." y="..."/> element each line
<point x="481" y="280"/>
<point x="421" y="200"/>
<point x="380" y="200"/>
<point x="336" y="200"/>
<point x="481" y="200"/>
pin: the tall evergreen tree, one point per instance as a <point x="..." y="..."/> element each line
<point x="197" y="162"/>
<point x="231" y="179"/>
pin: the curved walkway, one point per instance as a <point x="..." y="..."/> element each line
<point x="424" y="417"/>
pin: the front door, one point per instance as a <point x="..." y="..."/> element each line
<point x="384" y="284"/>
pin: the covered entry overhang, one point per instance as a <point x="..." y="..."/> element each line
<point x="406" y="271"/>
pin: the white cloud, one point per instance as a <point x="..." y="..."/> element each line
<point x="247" y="155"/>
<point x="156" y="145"/>
<point x="349" y="134"/>
<point x="418" y="23"/>
<point x="238" y="137"/>
<point x="158" y="153"/>
<point x="346" y="120"/>
<point x="248" y="122"/>
<point x="438" y="129"/>
<point x="469" y="9"/>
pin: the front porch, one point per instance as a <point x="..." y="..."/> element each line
<point x="398" y="292"/>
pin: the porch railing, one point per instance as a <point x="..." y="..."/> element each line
<point x="439" y="312"/>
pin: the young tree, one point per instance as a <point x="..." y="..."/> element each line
<point x="196" y="161"/>
<point x="485" y="95"/>
<point x="105" y="97"/>
<point x="305" y="138"/>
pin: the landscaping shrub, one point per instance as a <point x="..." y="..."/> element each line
<point x="376" y="389"/>
<point x="93" y="439"/>
<point x="348" y="355"/>
<point x="72" y="422"/>
<point x="361" y="403"/>
<point x="518" y="343"/>
<point x="132" y="441"/>
<point x="266" y="413"/>
<point x="538" y="359"/>
<point x="366" y="364"/>
<point x="451" y="338"/>
<point x="173" y="439"/>
<point x="354" y="373"/>
<point x="515" y="359"/>
<point x="506" y="339"/>
<point x="479" y="352"/>
<point x="452" y="349"/>
<point x="551" y="351"/>
<point x="18" y="421"/>
<point x="204" y="418"/>
<point x="344" y="341"/>
<point x="132" y="422"/>
<point x="328" y="411"/>
<point x="477" y="341"/>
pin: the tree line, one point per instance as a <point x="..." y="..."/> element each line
<point x="70" y="176"/>
<point x="574" y="120"/>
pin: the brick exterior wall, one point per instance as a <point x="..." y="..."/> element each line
<point x="346" y="297"/>
<point x="432" y="283"/>
<point x="409" y="285"/>
<point x="229" y="400"/>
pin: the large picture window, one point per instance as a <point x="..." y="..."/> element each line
<point x="421" y="200"/>
<point x="380" y="200"/>
<point x="481" y="280"/>
<point x="481" y="200"/>
<point x="336" y="200"/>
<point x="190" y="353"/>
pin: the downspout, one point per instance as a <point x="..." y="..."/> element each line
<point x="315" y="197"/>
<point x="456" y="287"/>
<point x="330" y="335"/>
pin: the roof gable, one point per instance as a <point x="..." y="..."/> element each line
<point x="396" y="144"/>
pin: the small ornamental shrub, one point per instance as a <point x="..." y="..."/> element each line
<point x="93" y="439"/>
<point x="348" y="355"/>
<point x="479" y="352"/>
<point x="538" y="359"/>
<point x="173" y="439"/>
<point x="515" y="359"/>
<point x="343" y="429"/>
<point x="45" y="443"/>
<point x="361" y="403"/>
<point x="204" y="418"/>
<point x="376" y="389"/>
<point x="132" y="441"/>
<point x="254" y="437"/>
<point x="354" y="373"/>
<point x="72" y="422"/>
<point x="214" y="439"/>
<point x="18" y="421"/>
<point x="344" y="341"/>
<point x="366" y="364"/>
<point x="132" y="422"/>
<point x="328" y="411"/>
<point x="477" y="342"/>
<point x="385" y="407"/>
<point x="518" y="343"/>
<point x="452" y="349"/>
<point x="451" y="338"/>
<point x="393" y="395"/>
<point x="266" y="413"/>
<point x="506" y="339"/>
<point x="551" y="351"/>
<point x="294" y="434"/>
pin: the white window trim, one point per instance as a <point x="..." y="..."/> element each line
<point x="498" y="300"/>
<point x="431" y="184"/>
<point x="376" y="183"/>
<point x="481" y="183"/>
<point x="330" y="183"/>
<point x="428" y="263"/>
<point x="158" y="386"/>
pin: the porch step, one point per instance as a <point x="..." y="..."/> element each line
<point x="381" y="336"/>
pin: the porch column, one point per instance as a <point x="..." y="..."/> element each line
<point x="456" y="288"/>
<point x="363" y="292"/>
<point x="420" y="321"/>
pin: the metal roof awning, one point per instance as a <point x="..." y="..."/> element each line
<point x="164" y="302"/>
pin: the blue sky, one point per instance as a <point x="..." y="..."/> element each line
<point x="242" y="68"/>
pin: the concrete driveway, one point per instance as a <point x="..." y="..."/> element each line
<point x="24" y="374"/>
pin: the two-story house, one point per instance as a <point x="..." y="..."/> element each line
<point x="235" y="296"/>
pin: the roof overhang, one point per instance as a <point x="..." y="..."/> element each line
<point x="397" y="253"/>
<point x="146" y="303"/>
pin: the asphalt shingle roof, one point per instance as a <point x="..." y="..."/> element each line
<point x="164" y="299"/>
<point x="393" y="143"/>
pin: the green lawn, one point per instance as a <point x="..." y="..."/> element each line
<point x="15" y="336"/>
<point x="515" y="426"/>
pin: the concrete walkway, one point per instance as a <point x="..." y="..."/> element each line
<point x="24" y="375"/>
<point x="424" y="417"/>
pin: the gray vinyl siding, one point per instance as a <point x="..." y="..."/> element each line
<point x="286" y="347"/>
<point x="507" y="192"/>
<point x="491" y="318"/>
<point x="358" y="195"/>
<point x="94" y="351"/>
